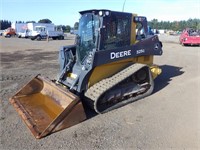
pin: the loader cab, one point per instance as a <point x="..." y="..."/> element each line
<point x="102" y="30"/>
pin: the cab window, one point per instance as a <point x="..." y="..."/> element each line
<point x="117" y="32"/>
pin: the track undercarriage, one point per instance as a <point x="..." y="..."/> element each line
<point x="128" y="85"/>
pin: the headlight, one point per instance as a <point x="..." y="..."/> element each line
<point x="100" y="13"/>
<point x="107" y="13"/>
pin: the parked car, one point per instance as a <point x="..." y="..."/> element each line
<point x="9" y="32"/>
<point x="190" y="37"/>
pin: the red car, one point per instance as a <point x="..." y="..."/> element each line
<point x="9" y="32"/>
<point x="190" y="37"/>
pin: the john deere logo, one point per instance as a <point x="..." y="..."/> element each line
<point x="114" y="55"/>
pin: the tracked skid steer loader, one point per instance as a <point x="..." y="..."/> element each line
<point x="110" y="65"/>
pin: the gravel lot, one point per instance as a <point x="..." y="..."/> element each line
<point x="168" y="119"/>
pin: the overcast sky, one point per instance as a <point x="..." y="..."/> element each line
<point x="65" y="12"/>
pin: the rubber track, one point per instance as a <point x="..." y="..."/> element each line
<point x="95" y="91"/>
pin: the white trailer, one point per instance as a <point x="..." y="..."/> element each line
<point x="48" y="26"/>
<point x="19" y="27"/>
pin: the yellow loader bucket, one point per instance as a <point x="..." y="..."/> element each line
<point x="46" y="107"/>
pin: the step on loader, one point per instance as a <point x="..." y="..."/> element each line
<point x="109" y="66"/>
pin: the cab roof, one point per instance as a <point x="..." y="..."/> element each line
<point x="96" y="11"/>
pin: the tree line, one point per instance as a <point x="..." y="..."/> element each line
<point x="4" y="24"/>
<point x="175" y="25"/>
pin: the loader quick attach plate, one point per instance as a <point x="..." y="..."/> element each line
<point x="46" y="107"/>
